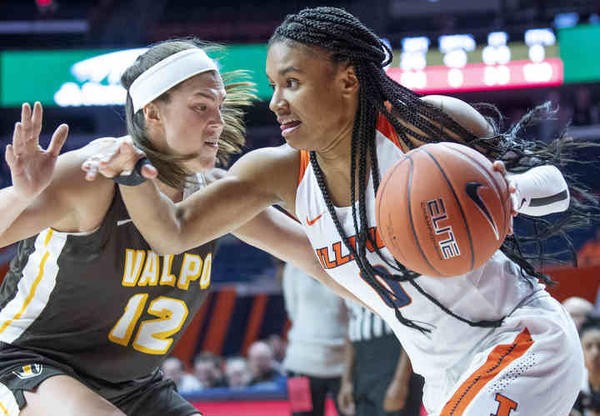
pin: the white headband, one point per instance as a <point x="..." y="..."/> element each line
<point x="169" y="72"/>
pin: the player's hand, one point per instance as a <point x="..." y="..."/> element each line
<point x="499" y="166"/>
<point x="119" y="159"/>
<point x="395" y="396"/>
<point x="345" y="399"/>
<point x="31" y="167"/>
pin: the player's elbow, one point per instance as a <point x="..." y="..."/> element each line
<point x="169" y="239"/>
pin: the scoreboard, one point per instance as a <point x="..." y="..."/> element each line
<point x="459" y="64"/>
<point x="539" y="57"/>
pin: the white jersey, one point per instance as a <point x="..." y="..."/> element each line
<point x="487" y="293"/>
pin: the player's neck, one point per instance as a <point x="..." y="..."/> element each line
<point x="335" y="154"/>
<point x="338" y="177"/>
<point x="594" y="380"/>
<point x="176" y="195"/>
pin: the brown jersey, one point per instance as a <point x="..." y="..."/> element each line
<point x="103" y="302"/>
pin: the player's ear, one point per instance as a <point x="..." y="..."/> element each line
<point x="348" y="79"/>
<point x="151" y="113"/>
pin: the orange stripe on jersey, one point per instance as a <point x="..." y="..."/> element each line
<point x="304" y="160"/>
<point x="500" y="357"/>
<point x="386" y="128"/>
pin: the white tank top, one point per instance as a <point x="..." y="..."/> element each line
<point x="488" y="293"/>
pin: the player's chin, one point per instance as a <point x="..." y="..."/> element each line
<point x="298" y="143"/>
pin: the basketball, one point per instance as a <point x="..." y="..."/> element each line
<point x="442" y="211"/>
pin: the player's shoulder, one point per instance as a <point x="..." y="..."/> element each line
<point x="462" y="112"/>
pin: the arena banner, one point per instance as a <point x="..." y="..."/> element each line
<point x="579" y="50"/>
<point x="73" y="78"/>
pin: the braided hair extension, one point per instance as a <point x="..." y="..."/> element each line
<point x="349" y="41"/>
<point x="520" y="154"/>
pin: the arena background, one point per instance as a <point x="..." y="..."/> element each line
<point x="513" y="53"/>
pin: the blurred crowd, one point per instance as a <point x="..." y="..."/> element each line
<point x="265" y="369"/>
<point x="586" y="316"/>
<point x="261" y="368"/>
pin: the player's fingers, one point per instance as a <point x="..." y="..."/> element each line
<point x="120" y="154"/>
<point x="91" y="170"/>
<point x="149" y="171"/>
<point x="116" y="165"/>
<point x="124" y="159"/>
<point x="90" y="167"/>
<point x="127" y="148"/>
<point x="36" y="123"/>
<point x="9" y="156"/>
<point x="18" y="141"/>
<point x="109" y="172"/>
<point x="58" y="140"/>
<point x="26" y="120"/>
<point x="499" y="166"/>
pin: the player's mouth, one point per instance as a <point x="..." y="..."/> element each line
<point x="212" y="143"/>
<point x="288" y="126"/>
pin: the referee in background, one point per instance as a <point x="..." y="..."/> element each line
<point x="378" y="379"/>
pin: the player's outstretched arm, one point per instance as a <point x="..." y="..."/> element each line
<point x="48" y="190"/>
<point x="31" y="167"/>
<point x="249" y="187"/>
<point x="284" y="238"/>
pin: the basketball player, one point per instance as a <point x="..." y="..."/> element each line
<point x="490" y="342"/>
<point x="87" y="311"/>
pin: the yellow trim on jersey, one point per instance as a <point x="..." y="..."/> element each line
<point x="35" y="284"/>
<point x="4" y="410"/>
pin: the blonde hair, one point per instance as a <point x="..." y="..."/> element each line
<point x="240" y="94"/>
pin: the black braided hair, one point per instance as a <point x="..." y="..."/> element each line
<point x="519" y="154"/>
<point x="348" y="40"/>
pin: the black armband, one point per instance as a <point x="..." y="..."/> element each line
<point x="135" y="177"/>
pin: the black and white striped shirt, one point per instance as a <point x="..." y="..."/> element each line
<point x="364" y="325"/>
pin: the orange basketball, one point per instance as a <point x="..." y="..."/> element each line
<point x="442" y="211"/>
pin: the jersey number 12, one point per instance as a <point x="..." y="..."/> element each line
<point x="153" y="335"/>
